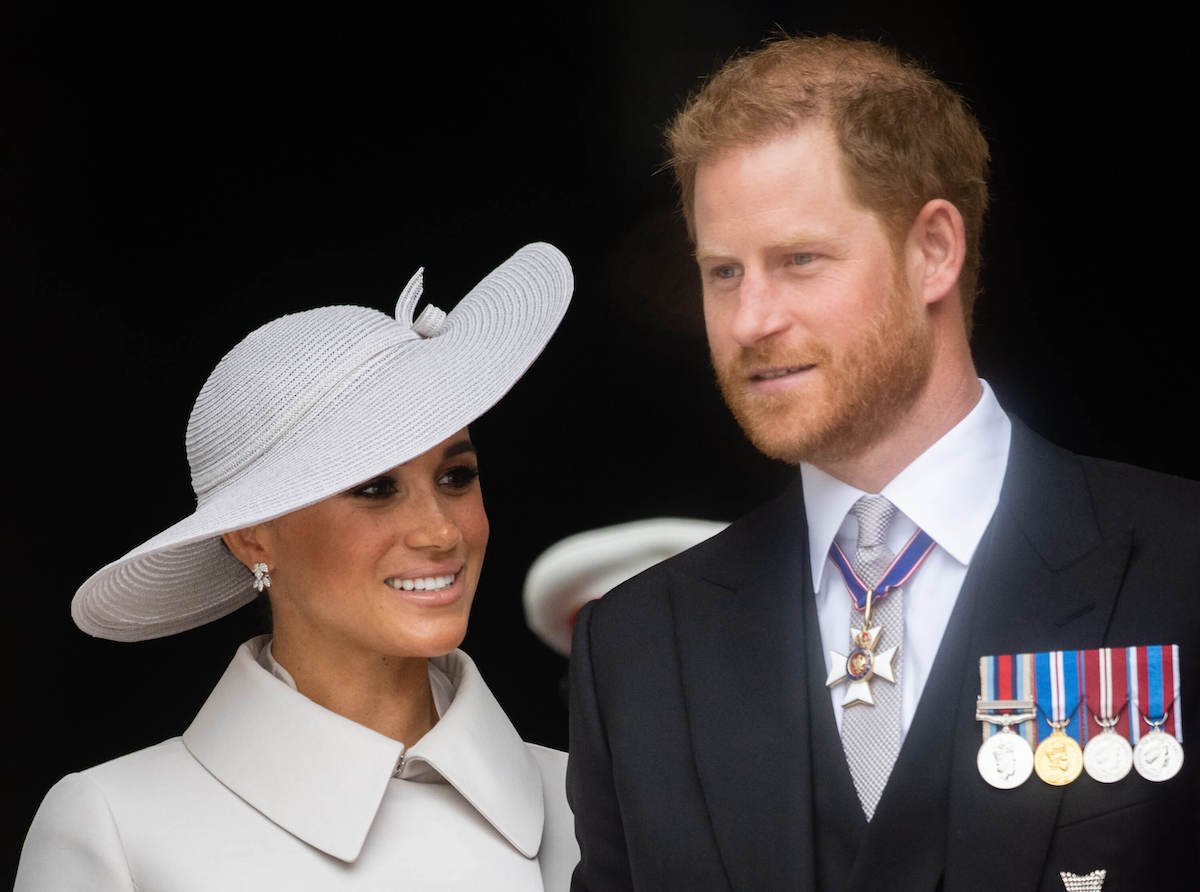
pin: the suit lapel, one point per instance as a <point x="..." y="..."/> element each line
<point x="741" y="651"/>
<point x="1045" y="577"/>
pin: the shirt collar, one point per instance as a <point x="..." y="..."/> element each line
<point x="322" y="777"/>
<point x="950" y="490"/>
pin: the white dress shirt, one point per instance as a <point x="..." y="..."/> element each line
<point x="950" y="491"/>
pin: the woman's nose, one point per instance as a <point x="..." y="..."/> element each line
<point x="432" y="528"/>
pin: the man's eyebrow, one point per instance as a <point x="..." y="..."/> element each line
<point x="794" y="240"/>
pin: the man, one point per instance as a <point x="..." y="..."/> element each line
<point x="726" y="732"/>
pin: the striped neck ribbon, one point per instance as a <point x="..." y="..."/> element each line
<point x="898" y="572"/>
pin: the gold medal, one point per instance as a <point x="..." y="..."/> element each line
<point x="1058" y="759"/>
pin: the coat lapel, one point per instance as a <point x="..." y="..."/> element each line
<point x="741" y="651"/>
<point x="1046" y="577"/>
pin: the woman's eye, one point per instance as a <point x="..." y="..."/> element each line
<point x="379" y="488"/>
<point x="728" y="271"/>
<point x="459" y="477"/>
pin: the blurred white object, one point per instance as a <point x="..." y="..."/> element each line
<point x="584" y="566"/>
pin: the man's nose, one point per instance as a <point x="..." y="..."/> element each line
<point x="761" y="311"/>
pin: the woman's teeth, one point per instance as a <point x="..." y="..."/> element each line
<point x="422" y="584"/>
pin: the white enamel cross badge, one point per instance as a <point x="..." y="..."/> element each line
<point x="861" y="665"/>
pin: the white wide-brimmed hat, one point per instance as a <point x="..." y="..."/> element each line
<point x="311" y="404"/>
<point x="584" y="566"/>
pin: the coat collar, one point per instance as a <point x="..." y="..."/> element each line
<point x="322" y="777"/>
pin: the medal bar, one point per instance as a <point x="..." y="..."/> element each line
<point x="1076" y="711"/>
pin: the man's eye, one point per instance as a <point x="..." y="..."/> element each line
<point x="379" y="488"/>
<point x="726" y="272"/>
<point x="460" y="477"/>
<point x="802" y="259"/>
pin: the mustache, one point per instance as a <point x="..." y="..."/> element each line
<point x="776" y="356"/>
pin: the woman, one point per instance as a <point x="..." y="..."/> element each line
<point x="355" y="747"/>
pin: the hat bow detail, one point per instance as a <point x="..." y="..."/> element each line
<point x="431" y="321"/>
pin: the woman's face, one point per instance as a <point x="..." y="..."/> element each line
<point x="387" y="568"/>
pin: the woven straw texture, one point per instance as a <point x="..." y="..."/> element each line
<point x="311" y="404"/>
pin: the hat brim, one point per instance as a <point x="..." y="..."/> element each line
<point x="586" y="565"/>
<point x="389" y="414"/>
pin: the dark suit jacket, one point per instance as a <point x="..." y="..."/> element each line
<point x="698" y="709"/>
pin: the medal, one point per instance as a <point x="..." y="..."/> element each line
<point x="1058" y="759"/>
<point x="1158" y="756"/>
<point x="1006" y="684"/>
<point x="1154" y="691"/>
<point x="1107" y="757"/>
<point x="1005" y="759"/>
<point x="862" y="663"/>
<point x="1114" y="685"/>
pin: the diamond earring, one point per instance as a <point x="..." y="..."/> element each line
<point x="262" y="577"/>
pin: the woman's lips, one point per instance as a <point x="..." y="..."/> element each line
<point x="430" y="589"/>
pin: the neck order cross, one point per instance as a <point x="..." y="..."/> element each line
<point x="871" y="737"/>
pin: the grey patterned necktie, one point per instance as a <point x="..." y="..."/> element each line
<point x="871" y="734"/>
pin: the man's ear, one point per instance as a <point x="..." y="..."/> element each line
<point x="936" y="247"/>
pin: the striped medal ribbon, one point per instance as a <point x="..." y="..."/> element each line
<point x="1006" y="701"/>
<point x="1154" y="699"/>
<point x="1058" y="759"/>
<point x="1107" y="755"/>
<point x="1121" y="703"/>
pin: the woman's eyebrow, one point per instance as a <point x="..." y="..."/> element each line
<point x="462" y="446"/>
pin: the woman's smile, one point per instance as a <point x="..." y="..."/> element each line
<point x="419" y="528"/>
<point x="428" y="590"/>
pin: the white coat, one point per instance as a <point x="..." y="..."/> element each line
<point x="267" y="790"/>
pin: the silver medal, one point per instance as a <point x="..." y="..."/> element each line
<point x="1157" y="756"/>
<point x="1005" y="760"/>
<point x="1108" y="757"/>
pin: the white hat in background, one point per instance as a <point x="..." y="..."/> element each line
<point x="584" y="566"/>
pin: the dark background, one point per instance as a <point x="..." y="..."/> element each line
<point x="171" y="180"/>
